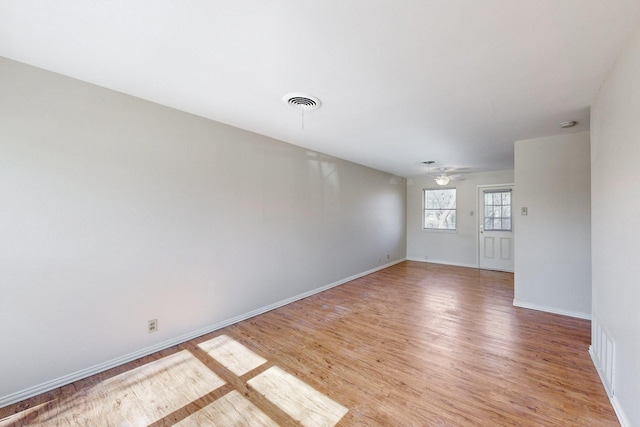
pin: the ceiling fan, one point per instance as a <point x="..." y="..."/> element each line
<point x="441" y="177"/>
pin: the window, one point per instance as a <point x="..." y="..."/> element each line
<point x="497" y="210"/>
<point x="440" y="209"/>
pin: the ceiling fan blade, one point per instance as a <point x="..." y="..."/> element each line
<point x="456" y="177"/>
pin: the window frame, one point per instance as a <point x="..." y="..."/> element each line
<point x="425" y="209"/>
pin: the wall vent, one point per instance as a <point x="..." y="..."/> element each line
<point x="603" y="351"/>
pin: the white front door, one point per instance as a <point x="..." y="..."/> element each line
<point x="495" y="228"/>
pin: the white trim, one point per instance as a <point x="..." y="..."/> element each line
<point x="554" y="310"/>
<point x="430" y="261"/>
<point x="481" y="215"/>
<point x="440" y="230"/>
<point x="497" y="269"/>
<point x="101" y="367"/>
<point x="509" y="184"/>
<point x="617" y="407"/>
<point x="454" y="264"/>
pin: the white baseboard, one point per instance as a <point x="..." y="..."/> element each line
<point x="553" y="310"/>
<point x="454" y="264"/>
<point x="101" y="367"/>
<point x="622" y="418"/>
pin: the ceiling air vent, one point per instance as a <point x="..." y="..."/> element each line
<point x="569" y="124"/>
<point x="302" y="102"/>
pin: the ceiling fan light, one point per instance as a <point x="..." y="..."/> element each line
<point x="442" y="180"/>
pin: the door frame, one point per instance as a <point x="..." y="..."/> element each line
<point x="479" y="214"/>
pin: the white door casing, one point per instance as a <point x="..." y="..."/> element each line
<point x="495" y="247"/>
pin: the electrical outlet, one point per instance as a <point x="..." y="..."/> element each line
<point x="152" y="325"/>
<point x="388" y="257"/>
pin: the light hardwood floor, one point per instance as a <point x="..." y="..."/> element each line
<point x="412" y="345"/>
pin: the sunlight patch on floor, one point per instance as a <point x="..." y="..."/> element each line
<point x="232" y="355"/>
<point x="298" y="399"/>
<point x="134" y="398"/>
<point x="159" y="389"/>
<point x="230" y="410"/>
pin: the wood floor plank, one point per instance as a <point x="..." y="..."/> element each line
<point x="415" y="344"/>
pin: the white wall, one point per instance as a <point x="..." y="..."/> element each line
<point x="115" y="211"/>
<point x="552" y="244"/>
<point x="444" y="247"/>
<point x="615" y="184"/>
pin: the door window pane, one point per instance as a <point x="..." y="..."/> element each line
<point x="497" y="210"/>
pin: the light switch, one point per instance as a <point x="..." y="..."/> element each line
<point x="524" y="211"/>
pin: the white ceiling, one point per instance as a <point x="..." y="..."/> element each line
<point x="400" y="81"/>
